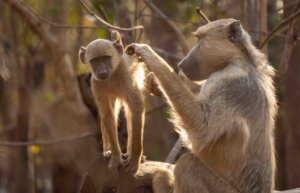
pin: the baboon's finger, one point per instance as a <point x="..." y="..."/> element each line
<point x="152" y="86"/>
<point x="130" y="49"/>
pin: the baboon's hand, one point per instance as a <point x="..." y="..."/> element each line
<point x="152" y="85"/>
<point x="132" y="164"/>
<point x="114" y="163"/>
<point x="145" y="53"/>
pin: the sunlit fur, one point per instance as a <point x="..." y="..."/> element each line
<point x="122" y="88"/>
<point x="229" y="125"/>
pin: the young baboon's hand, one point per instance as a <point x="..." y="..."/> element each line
<point x="114" y="163"/>
<point x="152" y="85"/>
<point x="132" y="164"/>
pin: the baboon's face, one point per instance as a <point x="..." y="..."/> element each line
<point x="102" y="57"/>
<point x="217" y="44"/>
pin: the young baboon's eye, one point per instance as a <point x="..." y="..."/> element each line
<point x="95" y="60"/>
<point x="105" y="58"/>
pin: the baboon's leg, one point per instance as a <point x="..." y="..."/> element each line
<point x="129" y="130"/>
<point x="190" y="176"/>
<point x="105" y="141"/>
<point x="135" y="105"/>
<point x="109" y="123"/>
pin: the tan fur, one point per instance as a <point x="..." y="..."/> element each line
<point x="229" y="124"/>
<point x="122" y="88"/>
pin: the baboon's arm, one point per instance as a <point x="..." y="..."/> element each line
<point x="185" y="103"/>
<point x="203" y="119"/>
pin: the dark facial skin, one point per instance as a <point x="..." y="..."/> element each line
<point x="101" y="66"/>
<point x="191" y="64"/>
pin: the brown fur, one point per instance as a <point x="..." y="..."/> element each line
<point x="122" y="88"/>
<point x="229" y="125"/>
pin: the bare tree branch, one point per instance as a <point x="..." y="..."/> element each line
<point x="139" y="27"/>
<point x="288" y="48"/>
<point x="61" y="25"/>
<point x="50" y="142"/>
<point x="168" y="18"/>
<point x="179" y="34"/>
<point x="284" y="22"/>
<point x="244" y="15"/>
<point x="263" y="24"/>
<point x="202" y="15"/>
<point x="275" y="34"/>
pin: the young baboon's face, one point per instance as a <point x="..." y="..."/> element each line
<point x="102" y="57"/>
<point x="217" y="44"/>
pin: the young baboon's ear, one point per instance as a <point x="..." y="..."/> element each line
<point x="116" y="36"/>
<point x="235" y="31"/>
<point x="82" y="55"/>
<point x="118" y="46"/>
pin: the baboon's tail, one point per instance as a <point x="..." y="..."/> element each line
<point x="163" y="181"/>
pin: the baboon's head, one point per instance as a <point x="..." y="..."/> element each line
<point x="102" y="56"/>
<point x="218" y="43"/>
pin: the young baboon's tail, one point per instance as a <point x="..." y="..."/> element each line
<point x="163" y="181"/>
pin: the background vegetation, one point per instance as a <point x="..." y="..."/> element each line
<point x="47" y="120"/>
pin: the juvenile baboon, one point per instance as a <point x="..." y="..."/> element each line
<point x="229" y="125"/>
<point x="117" y="80"/>
<point x="84" y="81"/>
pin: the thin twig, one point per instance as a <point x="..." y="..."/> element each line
<point x="104" y="13"/>
<point x="135" y="16"/>
<point x="141" y="12"/>
<point x="59" y="25"/>
<point x="266" y="33"/>
<point x="50" y="142"/>
<point x="288" y="48"/>
<point x="202" y="15"/>
<point x="167" y="18"/>
<point x="284" y="22"/>
<point x="287" y="5"/>
<point x="116" y="11"/>
<point x="139" y="27"/>
<point x="178" y="32"/>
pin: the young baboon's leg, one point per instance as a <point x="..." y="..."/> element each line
<point x="135" y="105"/>
<point x="129" y="132"/>
<point x="106" y="151"/>
<point x="109" y="123"/>
<point x="190" y="176"/>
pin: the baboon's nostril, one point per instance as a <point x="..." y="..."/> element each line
<point x="103" y="73"/>
<point x="180" y="65"/>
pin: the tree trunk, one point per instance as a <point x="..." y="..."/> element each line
<point x="292" y="112"/>
<point x="257" y="20"/>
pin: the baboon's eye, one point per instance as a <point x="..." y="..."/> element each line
<point x="105" y="58"/>
<point x="94" y="60"/>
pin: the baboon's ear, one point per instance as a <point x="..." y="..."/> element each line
<point x="82" y="55"/>
<point x="235" y="31"/>
<point x="116" y="36"/>
<point x="118" y="47"/>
